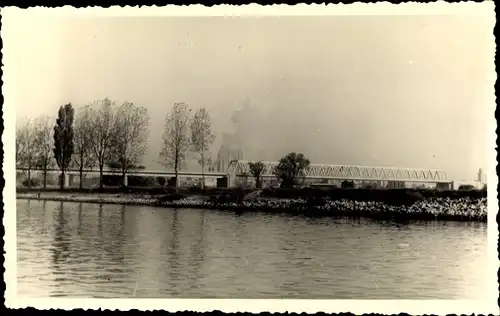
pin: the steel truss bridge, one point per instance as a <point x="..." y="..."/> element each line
<point x="241" y="168"/>
<point x="346" y="172"/>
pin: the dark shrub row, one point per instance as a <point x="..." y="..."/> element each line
<point x="215" y="196"/>
<point x="436" y="209"/>
<point x="108" y="190"/>
<point x="235" y="195"/>
<point x="314" y="196"/>
<point x="398" y="196"/>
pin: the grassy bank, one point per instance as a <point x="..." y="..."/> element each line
<point x="385" y="206"/>
<point x="390" y="196"/>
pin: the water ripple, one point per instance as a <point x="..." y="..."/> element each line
<point x="87" y="250"/>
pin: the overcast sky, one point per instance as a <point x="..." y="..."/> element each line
<point x="409" y="91"/>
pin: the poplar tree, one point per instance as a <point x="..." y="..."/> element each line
<point x="63" y="138"/>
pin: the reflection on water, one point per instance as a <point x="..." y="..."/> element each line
<point x="90" y="250"/>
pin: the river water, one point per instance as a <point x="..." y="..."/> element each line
<point x="88" y="250"/>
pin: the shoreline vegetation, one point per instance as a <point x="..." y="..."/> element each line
<point x="105" y="135"/>
<point x="382" y="204"/>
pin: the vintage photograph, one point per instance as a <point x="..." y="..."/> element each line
<point x="330" y="156"/>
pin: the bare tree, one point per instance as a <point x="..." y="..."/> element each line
<point x="176" y="140"/>
<point x="83" y="155"/>
<point x="130" y="137"/>
<point x="44" y="143"/>
<point x="26" y="149"/>
<point x="202" y="138"/>
<point x="102" y="124"/>
<point x="20" y="143"/>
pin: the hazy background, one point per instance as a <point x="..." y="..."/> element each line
<point x="384" y="90"/>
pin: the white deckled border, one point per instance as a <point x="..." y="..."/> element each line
<point x="358" y="307"/>
<point x="380" y="8"/>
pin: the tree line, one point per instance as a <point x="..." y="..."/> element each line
<point x="103" y="134"/>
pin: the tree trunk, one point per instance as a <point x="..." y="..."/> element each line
<point x="202" y="172"/>
<point x="176" y="171"/>
<point x="101" y="168"/>
<point x="81" y="176"/>
<point x="29" y="177"/>
<point x="176" y="180"/>
<point x="63" y="174"/>
<point x="45" y="176"/>
<point x="62" y="169"/>
<point x="124" y="173"/>
<point x="203" y="178"/>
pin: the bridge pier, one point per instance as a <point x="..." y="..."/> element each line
<point x="125" y="180"/>
<point x="231" y="180"/>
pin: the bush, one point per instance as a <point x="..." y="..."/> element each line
<point x="403" y="197"/>
<point x="215" y="191"/>
<point x="161" y="181"/>
<point x="347" y="184"/>
<point x="466" y="187"/>
<point x="194" y="189"/>
<point x="112" y="180"/>
<point x="31" y="183"/>
<point x="390" y="196"/>
<point x="171" y="182"/>
<point x="139" y="181"/>
<point x="222" y="199"/>
<point x="237" y="195"/>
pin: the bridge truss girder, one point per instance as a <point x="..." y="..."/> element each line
<point x="346" y="172"/>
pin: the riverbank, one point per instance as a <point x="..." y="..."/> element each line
<point x="389" y="196"/>
<point x="452" y="209"/>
